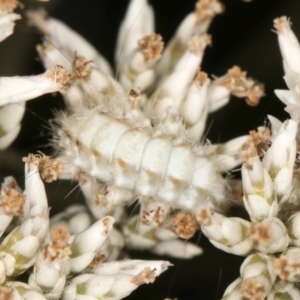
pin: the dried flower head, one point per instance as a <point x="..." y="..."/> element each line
<point x="8" y="6"/>
<point x="97" y="261"/>
<point x="151" y="46"/>
<point x="201" y="78"/>
<point x="254" y="93"/>
<point x="6" y="293"/>
<point x="50" y="169"/>
<point x="185" y="225"/>
<point x="58" y="249"/>
<point x="261" y="139"/>
<point x="100" y="199"/>
<point x="11" y="199"/>
<point x="207" y="9"/>
<point x="145" y="276"/>
<point x="61" y="76"/>
<point x="249" y="150"/>
<point x="198" y="43"/>
<point x="204" y="216"/>
<point x="153" y="217"/>
<point x="81" y="68"/>
<point x="242" y="86"/>
<point x="282" y="24"/>
<point x="257" y="143"/>
<point x="260" y="233"/>
<point x="253" y="290"/>
<point x="286" y="268"/>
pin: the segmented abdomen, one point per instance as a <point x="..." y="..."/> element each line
<point x="139" y="162"/>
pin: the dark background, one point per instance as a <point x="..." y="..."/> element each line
<point x="242" y="35"/>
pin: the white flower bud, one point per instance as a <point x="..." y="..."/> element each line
<point x="159" y="240"/>
<point x="137" y="70"/>
<point x="279" y="160"/>
<point x="67" y="40"/>
<point x="10" y="118"/>
<point x="36" y="200"/>
<point x="48" y="281"/>
<point x="51" y="267"/>
<point x="291" y="98"/>
<point x="196" y="22"/>
<point x="234" y="290"/>
<point x="284" y="290"/>
<point x="231" y="235"/>
<point x="259" y="199"/>
<point x="269" y="236"/>
<point x="17" y="89"/>
<point x="75" y="218"/>
<point x="112" y="246"/>
<point x="293" y="229"/>
<point x="19" y="249"/>
<point x="275" y="125"/>
<point x="112" y="287"/>
<point x="257" y="276"/>
<point x="36" y="225"/>
<point x="287" y="265"/>
<point x="194" y="109"/>
<point x="286" y="96"/>
<point x="22" y="291"/>
<point x="226" y="156"/>
<point x="288" y="43"/>
<point x="86" y="244"/>
<point x="138" y="22"/>
<point x="174" y="88"/>
<point x="93" y="196"/>
<point x="89" y="83"/>
<point x="7" y="24"/>
<point x="195" y="102"/>
<point x="140" y="236"/>
<point x="131" y="267"/>
<point x="8" y="138"/>
<point x="104" y="84"/>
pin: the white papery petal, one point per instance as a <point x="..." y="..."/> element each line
<point x="35" y="190"/>
<point x="27" y="247"/>
<point x="233" y="291"/>
<point x="275" y="125"/>
<point x="7" y="24"/>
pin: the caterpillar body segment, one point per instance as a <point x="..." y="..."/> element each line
<point x="136" y="162"/>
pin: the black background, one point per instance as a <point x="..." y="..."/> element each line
<point x="242" y="35"/>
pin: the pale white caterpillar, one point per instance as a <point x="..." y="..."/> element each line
<point x="140" y="160"/>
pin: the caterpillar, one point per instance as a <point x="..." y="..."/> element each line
<point x="141" y="161"/>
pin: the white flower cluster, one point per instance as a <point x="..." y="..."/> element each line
<point x="271" y="197"/>
<point x="138" y="138"/>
